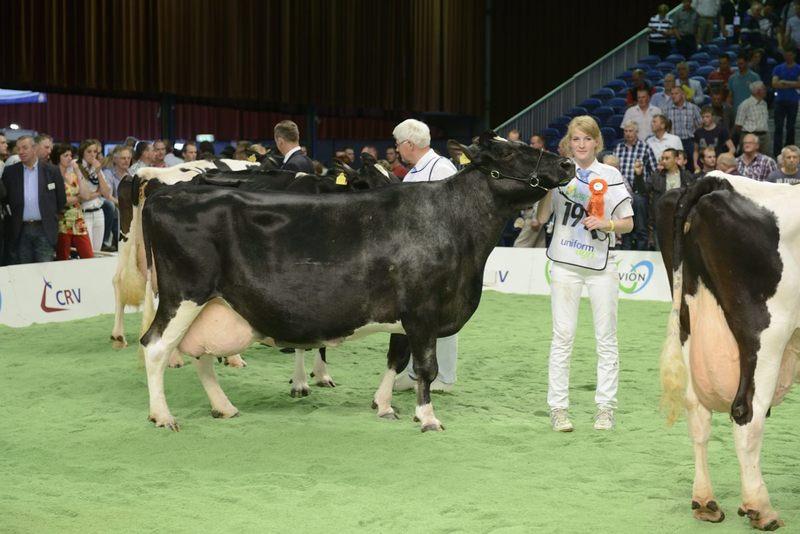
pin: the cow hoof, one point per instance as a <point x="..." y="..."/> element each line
<point x="710" y="512"/>
<point x="235" y="361"/>
<point x="166" y="422"/>
<point x="216" y="414"/>
<point x="299" y="392"/>
<point x="761" y="521"/>
<point x="435" y="426"/>
<point x="390" y="414"/>
<point x="118" y="342"/>
<point x="326" y="382"/>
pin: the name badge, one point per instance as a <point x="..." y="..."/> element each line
<point x="51" y="186"/>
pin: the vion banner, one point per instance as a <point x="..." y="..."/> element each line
<point x="527" y="271"/>
<point x="56" y="291"/>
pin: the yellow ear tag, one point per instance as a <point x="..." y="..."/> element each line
<point x="341" y="179"/>
<point x="252" y="158"/>
<point x="463" y="159"/>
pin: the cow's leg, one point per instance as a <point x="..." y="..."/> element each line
<point x="397" y="359"/>
<point x="118" y="340"/>
<point x="221" y="407"/>
<point x="755" y="498"/>
<point x="162" y="337"/>
<point x="299" y="379"/>
<point x="235" y="361"/>
<point x="148" y="312"/>
<point x="423" y="352"/>
<point x="320" y="372"/>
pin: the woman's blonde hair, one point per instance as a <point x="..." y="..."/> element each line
<point x="587" y="125"/>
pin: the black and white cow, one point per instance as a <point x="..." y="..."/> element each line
<point x="731" y="247"/>
<point x="309" y="271"/>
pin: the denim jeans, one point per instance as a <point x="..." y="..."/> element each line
<point x="637" y="239"/>
<point x="33" y="245"/>
<point x="111" y="222"/>
<point x="785" y="112"/>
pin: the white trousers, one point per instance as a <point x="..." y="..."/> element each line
<point x="95" y="225"/>
<point x="446" y="357"/>
<point x="567" y="282"/>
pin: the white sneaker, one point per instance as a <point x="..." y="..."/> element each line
<point x="403" y="382"/>
<point x="559" y="418"/>
<point x="604" y="420"/>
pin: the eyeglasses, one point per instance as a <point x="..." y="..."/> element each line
<point x="397" y="145"/>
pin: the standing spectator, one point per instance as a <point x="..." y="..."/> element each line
<point x="662" y="99"/>
<point x="3" y="156"/>
<point x="537" y="141"/>
<point x="788" y="171"/>
<point x="369" y="149"/>
<point x="671" y="177"/>
<point x="753" y="164"/>
<point x="739" y="83"/>
<point x="680" y="159"/>
<point x="413" y="142"/>
<point x="661" y="138"/>
<point x="120" y="167"/>
<point x="142" y="156"/>
<point x="791" y="37"/>
<point x="723" y="112"/>
<point x="287" y="140"/>
<point x="636" y="163"/>
<point x="751" y="33"/>
<point x="718" y="80"/>
<point x="729" y="19"/>
<point x="513" y="134"/>
<point x="398" y="169"/>
<point x="350" y="154"/>
<point x="189" y="151"/>
<point x="660" y="28"/>
<point x="90" y="169"/>
<point x="638" y="82"/>
<point x="685" y="118"/>
<point x="206" y="150"/>
<point x="711" y="134"/>
<point x="692" y="88"/>
<point x="753" y="116"/>
<point x="786" y="82"/>
<point x="642" y="114"/>
<point x="727" y="164"/>
<point x="35" y="196"/>
<point x="708" y="161"/>
<point x="684" y="20"/>
<point x="707" y="15"/>
<point x="71" y="225"/>
<point x="44" y="147"/>
<point x="159" y="153"/>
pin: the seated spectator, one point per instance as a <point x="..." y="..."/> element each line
<point x="680" y="159"/>
<point x="640" y="82"/>
<point x="671" y="177"/>
<point x="755" y="28"/>
<point x="369" y="149"/>
<point x="711" y="134"/>
<point x="513" y="135"/>
<point x="397" y="167"/>
<point x="661" y="138"/>
<point x="350" y="156"/>
<point x="90" y="171"/>
<point x="71" y="225"/>
<point x="719" y="78"/>
<point x="240" y="152"/>
<point x="660" y="30"/>
<point x="708" y="161"/>
<point x="142" y="156"/>
<point x="642" y="114"/>
<point x="723" y="112"/>
<point x="752" y="117"/>
<point x="788" y="171"/>
<point x="660" y="100"/>
<point x="753" y="164"/>
<point x="537" y="141"/>
<point x="727" y="164"/>
<point x="172" y="157"/>
<point x="206" y="150"/>
<point x="692" y="88"/>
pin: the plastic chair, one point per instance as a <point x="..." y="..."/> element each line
<point x="666" y="67"/>
<point x="616" y="85"/>
<point x="705" y="71"/>
<point x="675" y="58"/>
<point x="703" y="82"/>
<point x="604" y="94"/>
<point x="577" y="110"/>
<point x="603" y="113"/>
<point x="618" y="104"/>
<point x="609" y="135"/>
<point x="591" y="103"/>
<point x="650" y="60"/>
<point x="700" y="57"/>
<point x="551" y="133"/>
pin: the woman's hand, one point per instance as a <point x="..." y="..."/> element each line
<point x="597" y="223"/>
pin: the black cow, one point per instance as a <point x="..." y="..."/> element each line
<point x="307" y="271"/>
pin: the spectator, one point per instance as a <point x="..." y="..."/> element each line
<point x="727" y="164"/>
<point x="369" y="149"/>
<point x="680" y="159"/>
<point x="685" y="118"/>
<point x="287" y="140"/>
<point x="642" y="114"/>
<point x="692" y="88"/>
<point x="753" y="116"/>
<point x="660" y="28"/>
<point x="661" y="138"/>
<point x="758" y="64"/>
<point x="636" y="163"/>
<point x="786" y="82"/>
<point x="707" y="15"/>
<point x="723" y="112"/>
<point x="159" y="153"/>
<point x="90" y="170"/>
<point x="33" y="223"/>
<point x="729" y="19"/>
<point x="71" y="225"/>
<point x="791" y="37"/>
<point x="708" y="161"/>
<point x="671" y="177"/>
<point x="639" y="82"/>
<point x="171" y="158"/>
<point x="340" y="155"/>
<point x="3" y="156"/>
<point x="718" y="80"/>
<point x="350" y="154"/>
<point x="711" y="134"/>
<point x="3" y="216"/>
<point x="753" y="164"/>
<point x="684" y="20"/>
<point x="240" y="152"/>
<point x="130" y="142"/>
<point x="661" y="100"/>
<point x="44" y="147"/>
<point x="537" y="141"/>
<point x="189" y="151"/>
<point x="398" y="169"/>
<point x="739" y="83"/>
<point x="513" y="134"/>
<point x="788" y="171"/>
<point x="751" y="33"/>
<point x="120" y="167"/>
<point x="142" y="156"/>
<point x="206" y="149"/>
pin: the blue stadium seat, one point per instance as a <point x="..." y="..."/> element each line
<point x="705" y="71"/>
<point x="560" y="124"/>
<point x="591" y="103"/>
<point x="720" y="42"/>
<point x="603" y="113"/>
<point x="693" y="66"/>
<point x="609" y="135"/>
<point x="713" y="51"/>
<point x="772" y="63"/>
<point x="733" y="48"/>
<point x="619" y="104"/>
<point x="665" y="67"/>
<point x="650" y="60"/>
<point x="625" y="75"/>
<point x="577" y="110"/>
<point x="616" y="85"/>
<point x="703" y="82"/>
<point x="706" y="101"/>
<point x="604" y="94"/>
<point x="622" y="93"/>
<point x="551" y="133"/>
<point x="643" y="66"/>
<point x="713" y="63"/>
<point x="700" y="57"/>
<point x="552" y="145"/>
<point x="596" y="119"/>
<point x="675" y="58"/>
<point x="658" y="88"/>
<point x="732" y="55"/>
<point x="654" y="73"/>
<point x="614" y="121"/>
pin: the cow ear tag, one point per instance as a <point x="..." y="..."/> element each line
<point x="341" y="179"/>
<point x="463" y="159"/>
<point x="252" y="158"/>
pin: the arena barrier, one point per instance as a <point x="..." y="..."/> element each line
<point x="67" y="290"/>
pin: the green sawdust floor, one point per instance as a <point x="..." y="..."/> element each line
<point x="77" y="454"/>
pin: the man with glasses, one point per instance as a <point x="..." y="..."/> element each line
<point x="753" y="164"/>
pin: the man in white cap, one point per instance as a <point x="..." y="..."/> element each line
<point x="413" y="140"/>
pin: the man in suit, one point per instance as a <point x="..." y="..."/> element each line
<point x="287" y="140"/>
<point x="35" y="197"/>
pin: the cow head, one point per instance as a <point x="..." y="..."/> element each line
<point x="515" y="170"/>
<point x="372" y="174"/>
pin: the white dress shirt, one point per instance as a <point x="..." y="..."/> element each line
<point x="643" y="118"/>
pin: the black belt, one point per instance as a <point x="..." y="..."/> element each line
<point x="755" y="133"/>
<point x="32" y="222"/>
<point x="92" y="210"/>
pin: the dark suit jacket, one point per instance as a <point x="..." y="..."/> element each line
<point x="52" y="199"/>
<point x="298" y="162"/>
<point x="658" y="186"/>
